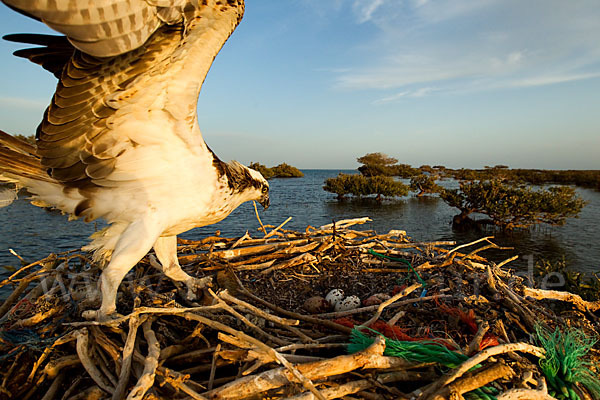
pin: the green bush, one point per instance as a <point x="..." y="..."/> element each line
<point x="583" y="178"/>
<point x="377" y="159"/>
<point x="510" y="206"/>
<point x="286" y="171"/>
<point x="424" y="184"/>
<point x="376" y="164"/>
<point x="266" y="172"/>
<point x="404" y="171"/>
<point x="359" y="186"/>
<point x="282" y="170"/>
<point x="376" y="170"/>
<point x="380" y="164"/>
<point x="426" y="168"/>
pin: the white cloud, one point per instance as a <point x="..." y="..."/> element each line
<point x="365" y="9"/>
<point x="551" y="79"/>
<point x="442" y="10"/>
<point x="421" y="92"/>
<point x="392" y="98"/>
<point x="458" y="45"/>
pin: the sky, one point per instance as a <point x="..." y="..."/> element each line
<point x="318" y="83"/>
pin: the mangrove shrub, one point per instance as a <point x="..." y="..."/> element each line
<point x="380" y="164"/>
<point x="282" y="170"/>
<point x="424" y="184"/>
<point x="510" y="206"/>
<point x="359" y="186"/>
<point x="376" y="164"/>
<point x="265" y="171"/>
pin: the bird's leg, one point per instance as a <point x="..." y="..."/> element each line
<point x="132" y="246"/>
<point x="166" y="252"/>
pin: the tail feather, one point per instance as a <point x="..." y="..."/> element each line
<point x="18" y="161"/>
<point x="20" y="164"/>
<point x="15" y="144"/>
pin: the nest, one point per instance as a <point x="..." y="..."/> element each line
<point x="262" y="330"/>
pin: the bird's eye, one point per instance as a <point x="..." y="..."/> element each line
<point x="265" y="189"/>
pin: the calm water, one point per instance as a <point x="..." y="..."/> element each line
<point x="34" y="233"/>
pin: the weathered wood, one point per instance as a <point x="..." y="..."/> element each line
<point x="388" y="302"/>
<point x="88" y="364"/>
<point x="368" y="359"/>
<point x="576" y="300"/>
<point x="345" y="389"/>
<point x="146" y="381"/>
<point x="479" y="358"/>
<point x="134" y="323"/>
<point x="475" y="380"/>
<point x="297" y="355"/>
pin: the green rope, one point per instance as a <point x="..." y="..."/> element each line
<point x="425" y="351"/>
<point x="402" y="260"/>
<point x="564" y="363"/>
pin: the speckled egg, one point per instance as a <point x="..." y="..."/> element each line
<point x="349" y="303"/>
<point x="377" y="298"/>
<point x="316" y="305"/>
<point x="334" y="296"/>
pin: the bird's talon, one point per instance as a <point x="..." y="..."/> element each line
<point x="90" y="315"/>
<point x="98" y="316"/>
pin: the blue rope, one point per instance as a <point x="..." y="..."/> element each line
<point x="24" y="338"/>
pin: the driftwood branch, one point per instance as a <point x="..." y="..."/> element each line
<point x="150" y="364"/>
<point x="268" y="235"/>
<point x="391" y="300"/>
<point x="474" y="381"/>
<point x="576" y="300"/>
<point x="339" y="391"/>
<point x="370" y="358"/>
<point x="134" y="324"/>
<point x="248" y="337"/>
<point x="479" y="358"/>
<point x="88" y="364"/>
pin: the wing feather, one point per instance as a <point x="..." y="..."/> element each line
<point x="125" y="62"/>
<point x="54" y="54"/>
<point x="77" y="139"/>
<point x="102" y="28"/>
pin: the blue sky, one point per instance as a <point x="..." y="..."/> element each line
<point x="317" y="83"/>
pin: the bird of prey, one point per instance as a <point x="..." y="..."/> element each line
<point x="120" y="139"/>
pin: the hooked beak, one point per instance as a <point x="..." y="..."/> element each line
<point x="264" y="201"/>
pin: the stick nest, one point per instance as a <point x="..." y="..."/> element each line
<point x="255" y="334"/>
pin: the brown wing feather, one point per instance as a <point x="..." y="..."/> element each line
<point x="18" y="158"/>
<point x="75" y="139"/>
<point x="54" y="54"/>
<point x="102" y="28"/>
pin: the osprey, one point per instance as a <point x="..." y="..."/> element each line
<point x="120" y="139"/>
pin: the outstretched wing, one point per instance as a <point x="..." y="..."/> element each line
<point x="133" y="78"/>
<point x="54" y="53"/>
<point x="103" y="28"/>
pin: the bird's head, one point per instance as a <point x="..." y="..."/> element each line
<point x="262" y="188"/>
<point x="246" y="183"/>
